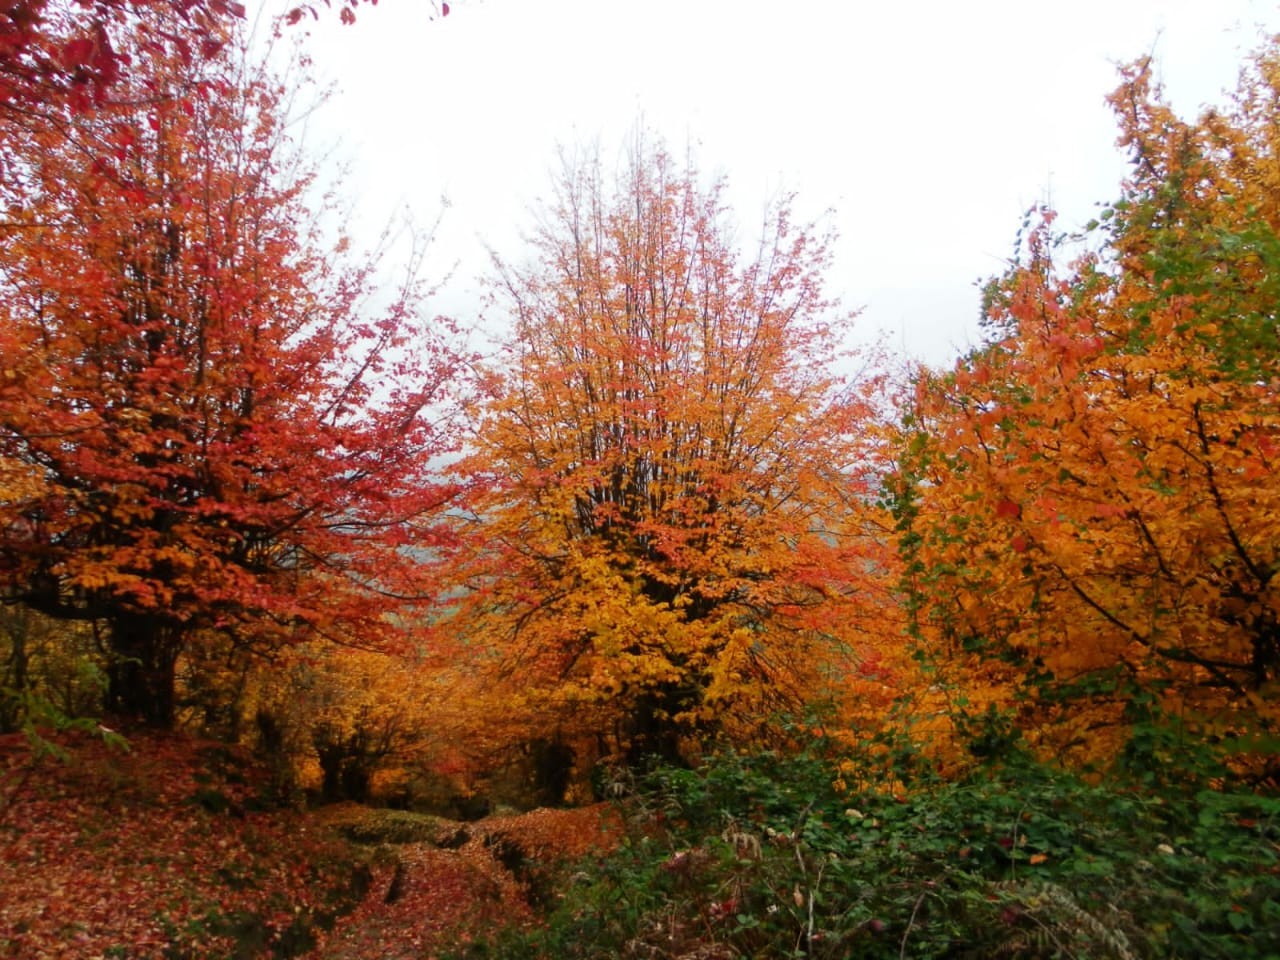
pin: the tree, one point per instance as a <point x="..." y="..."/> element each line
<point x="673" y="533"/>
<point x="203" y="433"/>
<point x="67" y="52"/>
<point x="52" y="51"/>
<point x="1088" y="502"/>
<point x="349" y="714"/>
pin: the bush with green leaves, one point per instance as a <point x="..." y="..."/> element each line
<point x="762" y="856"/>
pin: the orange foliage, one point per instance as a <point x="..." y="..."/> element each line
<point x="673" y="533"/>
<point x="342" y="722"/>
<point x="1089" y="505"/>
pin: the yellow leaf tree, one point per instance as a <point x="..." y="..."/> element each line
<point x="672" y="534"/>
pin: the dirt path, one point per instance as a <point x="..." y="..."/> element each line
<point x="437" y="895"/>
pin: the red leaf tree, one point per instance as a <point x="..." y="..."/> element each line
<point x="201" y="429"/>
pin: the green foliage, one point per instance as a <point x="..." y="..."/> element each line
<point x="763" y="856"/>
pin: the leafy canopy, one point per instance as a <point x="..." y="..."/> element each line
<point x="204" y="431"/>
<point x="673" y="511"/>
<point x="1088" y="504"/>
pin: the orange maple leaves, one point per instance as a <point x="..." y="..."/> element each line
<point x="675" y="525"/>
<point x="1093" y="504"/>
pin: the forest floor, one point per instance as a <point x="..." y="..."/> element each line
<point x="167" y="850"/>
<point x="465" y="882"/>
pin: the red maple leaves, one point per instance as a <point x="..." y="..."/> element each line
<point x="223" y="441"/>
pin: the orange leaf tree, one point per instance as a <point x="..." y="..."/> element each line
<point x="1088" y="503"/>
<point x="673" y="533"/>
<point x="202" y="431"/>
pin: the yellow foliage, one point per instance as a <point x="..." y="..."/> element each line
<point x="672" y="533"/>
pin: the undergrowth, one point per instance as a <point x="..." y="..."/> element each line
<point x="766" y="856"/>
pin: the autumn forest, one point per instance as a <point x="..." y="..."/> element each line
<point x="316" y="622"/>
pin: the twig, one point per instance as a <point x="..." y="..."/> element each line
<point x="902" y="951"/>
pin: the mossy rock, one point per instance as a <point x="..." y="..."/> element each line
<point x="401" y="826"/>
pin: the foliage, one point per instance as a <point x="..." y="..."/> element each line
<point x="46" y="665"/>
<point x="673" y="529"/>
<point x="763" y="856"/>
<point x="1087" y="507"/>
<point x="205" y="437"/>
<point x="334" y="718"/>
<point x="164" y="850"/>
<point x="56" y="53"/>
<point x="61" y="52"/>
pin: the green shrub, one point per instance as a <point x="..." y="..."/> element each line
<point x="761" y="856"/>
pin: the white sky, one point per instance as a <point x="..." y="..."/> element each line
<point x="929" y="127"/>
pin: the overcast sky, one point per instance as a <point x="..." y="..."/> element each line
<point x="928" y="127"/>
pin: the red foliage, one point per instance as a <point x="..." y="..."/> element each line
<point x="211" y="433"/>
<point x="162" y="850"/>
<point x="69" y="51"/>
<point x="449" y="897"/>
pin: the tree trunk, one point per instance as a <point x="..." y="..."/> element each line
<point x="552" y="771"/>
<point x="653" y="735"/>
<point x="140" y="676"/>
